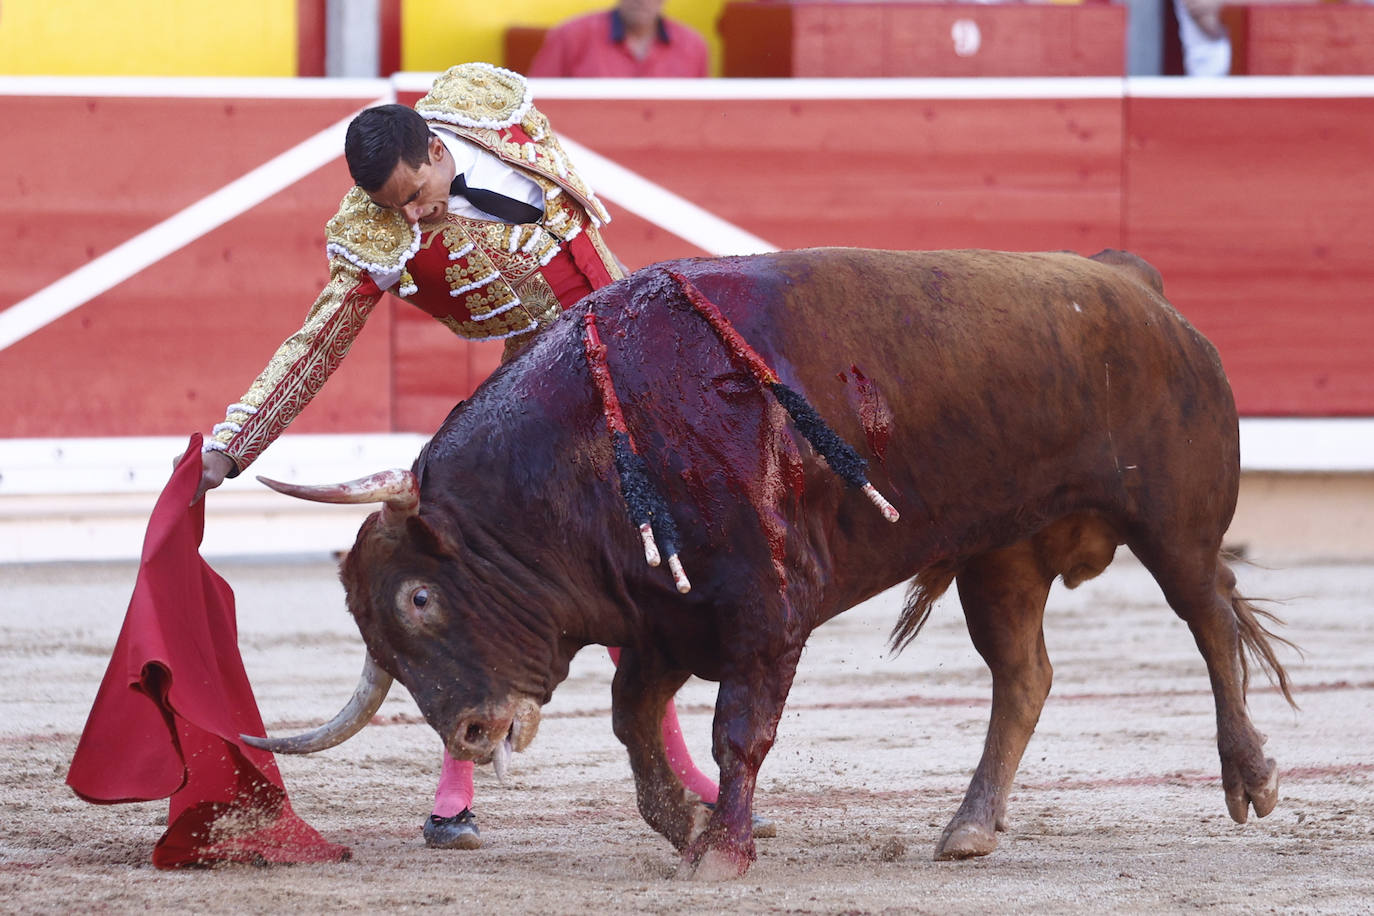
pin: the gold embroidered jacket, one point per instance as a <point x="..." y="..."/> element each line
<point x="480" y="278"/>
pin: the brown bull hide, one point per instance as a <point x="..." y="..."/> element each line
<point x="1026" y="413"/>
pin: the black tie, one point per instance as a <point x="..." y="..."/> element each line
<point x="498" y="205"/>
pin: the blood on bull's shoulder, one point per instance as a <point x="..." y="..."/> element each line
<point x="801" y="431"/>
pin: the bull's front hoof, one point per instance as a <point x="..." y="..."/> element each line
<point x="1263" y="794"/>
<point x="456" y="832"/>
<point x="716" y="865"/>
<point x="965" y="841"/>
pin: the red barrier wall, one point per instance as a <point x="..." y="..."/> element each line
<point x="1324" y="39"/>
<point x="849" y="39"/>
<point x="165" y="351"/>
<point x="1258" y="211"/>
<point x="1260" y="215"/>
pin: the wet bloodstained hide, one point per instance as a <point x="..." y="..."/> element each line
<point x="717" y="430"/>
<point x="1025" y="412"/>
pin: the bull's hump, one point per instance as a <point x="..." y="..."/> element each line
<point x="1132" y="264"/>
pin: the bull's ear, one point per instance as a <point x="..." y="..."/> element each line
<point x="427" y="540"/>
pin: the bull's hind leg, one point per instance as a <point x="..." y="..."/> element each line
<point x="638" y="698"/>
<point x="1202" y="591"/>
<point x="1003" y="595"/>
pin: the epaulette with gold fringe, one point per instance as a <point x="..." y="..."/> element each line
<point x="370" y="237"/>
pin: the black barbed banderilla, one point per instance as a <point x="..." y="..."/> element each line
<point x="645" y="505"/>
<point x="643" y="502"/>
<point x="839" y="454"/>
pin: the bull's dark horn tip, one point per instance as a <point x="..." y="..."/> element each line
<point x="257" y="741"/>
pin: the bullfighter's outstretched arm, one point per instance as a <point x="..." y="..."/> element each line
<point x="299" y="368"/>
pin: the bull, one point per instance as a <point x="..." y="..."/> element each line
<point x="1027" y="414"/>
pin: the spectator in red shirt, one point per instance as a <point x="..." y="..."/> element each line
<point x="632" y="39"/>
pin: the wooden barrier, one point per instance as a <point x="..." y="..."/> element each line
<point x="768" y="38"/>
<point x="1310" y="39"/>
<point x="1253" y="203"/>
<point x="1260" y="215"/>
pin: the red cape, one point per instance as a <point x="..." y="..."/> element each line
<point x="175" y="698"/>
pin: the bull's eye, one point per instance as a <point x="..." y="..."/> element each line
<point x="414" y="603"/>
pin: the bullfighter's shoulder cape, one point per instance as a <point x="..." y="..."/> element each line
<point x="482" y="279"/>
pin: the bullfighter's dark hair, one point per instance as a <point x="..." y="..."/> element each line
<point x="378" y="138"/>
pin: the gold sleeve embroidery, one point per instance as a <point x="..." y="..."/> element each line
<point x="299" y="368"/>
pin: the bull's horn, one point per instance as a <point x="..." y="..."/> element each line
<point x="366" y="699"/>
<point x="398" y="489"/>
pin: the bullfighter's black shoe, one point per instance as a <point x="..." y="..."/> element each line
<point x="764" y="828"/>
<point x="456" y="832"/>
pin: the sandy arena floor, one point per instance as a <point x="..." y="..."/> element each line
<point x="1118" y="804"/>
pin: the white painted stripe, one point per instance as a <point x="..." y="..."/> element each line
<point x="195" y="87"/>
<point x="713" y="89"/>
<point x="855" y="89"/>
<point x="660" y="206"/>
<point x="1307" y="444"/>
<point x="136" y="464"/>
<point x="803" y="88"/>
<point x="115" y="266"/>
<point x="1250" y="87"/>
<point x="34" y="467"/>
<point x="938" y="88"/>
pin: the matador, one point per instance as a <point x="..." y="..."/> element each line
<point x="466" y="207"/>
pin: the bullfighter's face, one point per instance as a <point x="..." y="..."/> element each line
<point x="406" y="590"/>
<point x="420" y="194"/>
<point x="640" y="15"/>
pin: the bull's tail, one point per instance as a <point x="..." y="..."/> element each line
<point x="1257" y="644"/>
<point x="929" y="584"/>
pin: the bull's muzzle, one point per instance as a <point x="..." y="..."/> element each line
<point x="492" y="736"/>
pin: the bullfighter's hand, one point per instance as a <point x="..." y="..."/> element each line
<point x="215" y="467"/>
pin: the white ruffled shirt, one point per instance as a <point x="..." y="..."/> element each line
<point x="481" y="169"/>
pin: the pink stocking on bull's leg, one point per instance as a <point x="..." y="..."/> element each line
<point x="1225" y="626"/>
<point x="638" y="699"/>
<point x="452" y="824"/>
<point x="1003" y="595"/>
<point x="679" y="758"/>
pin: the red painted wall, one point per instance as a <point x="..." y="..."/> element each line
<point x="849" y="39"/>
<point x="1322" y="39"/>
<point x="165" y="351"/>
<point x="1259" y="213"/>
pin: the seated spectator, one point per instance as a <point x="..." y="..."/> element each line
<point x="632" y="39"/>
<point x="1206" y="44"/>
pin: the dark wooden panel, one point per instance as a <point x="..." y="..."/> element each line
<point x="756" y="39"/>
<point x="923" y="39"/>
